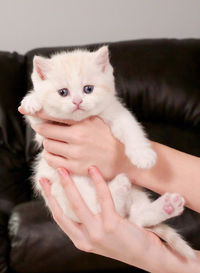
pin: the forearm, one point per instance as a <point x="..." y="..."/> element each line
<point x="175" y="264"/>
<point x="160" y="258"/>
<point x="174" y="171"/>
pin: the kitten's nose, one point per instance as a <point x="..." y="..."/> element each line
<point x="77" y="101"/>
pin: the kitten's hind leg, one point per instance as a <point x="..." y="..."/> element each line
<point x="120" y="188"/>
<point x="167" y="206"/>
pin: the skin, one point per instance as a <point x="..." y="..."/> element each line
<point x="79" y="146"/>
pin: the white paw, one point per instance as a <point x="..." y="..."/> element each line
<point x="31" y="104"/>
<point x="121" y="184"/>
<point x="172" y="204"/>
<point x="144" y="158"/>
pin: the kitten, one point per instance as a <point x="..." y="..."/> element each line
<point x="79" y="84"/>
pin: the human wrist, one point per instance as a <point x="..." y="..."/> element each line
<point x="134" y="174"/>
<point x="150" y="257"/>
<point x="169" y="262"/>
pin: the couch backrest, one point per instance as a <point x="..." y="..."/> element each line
<point x="159" y="80"/>
<point x="13" y="170"/>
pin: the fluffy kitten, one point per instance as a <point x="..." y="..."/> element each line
<point x="79" y="84"/>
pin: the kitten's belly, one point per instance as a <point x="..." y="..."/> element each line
<point x="83" y="184"/>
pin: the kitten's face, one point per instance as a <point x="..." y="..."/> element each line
<point x="74" y="85"/>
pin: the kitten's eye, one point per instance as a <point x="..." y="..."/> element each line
<point x="87" y="89"/>
<point x="63" y="92"/>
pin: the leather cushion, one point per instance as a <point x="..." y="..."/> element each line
<point x="39" y="245"/>
<point x="14" y="188"/>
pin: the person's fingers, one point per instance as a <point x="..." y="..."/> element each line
<point x="41" y="114"/>
<point x="55" y="161"/>
<point x="77" y="203"/>
<point x="103" y="194"/>
<point x="61" y="149"/>
<point x="67" y="225"/>
<point x="55" y="131"/>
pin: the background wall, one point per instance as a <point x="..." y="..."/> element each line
<point x="26" y="24"/>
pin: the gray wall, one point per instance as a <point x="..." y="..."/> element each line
<point x="26" y="24"/>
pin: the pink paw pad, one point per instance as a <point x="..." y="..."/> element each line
<point x="168" y="209"/>
<point x="173" y="204"/>
<point x="176" y="198"/>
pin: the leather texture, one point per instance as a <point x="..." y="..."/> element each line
<point x="159" y="81"/>
<point x="13" y="170"/>
<point x="38" y="244"/>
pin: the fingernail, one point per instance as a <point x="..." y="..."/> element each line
<point x="19" y="108"/>
<point x="44" y="181"/>
<point x="63" y="172"/>
<point x="92" y="170"/>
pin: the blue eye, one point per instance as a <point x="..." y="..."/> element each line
<point x="63" y="92"/>
<point x="87" y="89"/>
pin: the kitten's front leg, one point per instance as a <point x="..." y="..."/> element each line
<point x="126" y="129"/>
<point x="137" y="146"/>
<point x="31" y="104"/>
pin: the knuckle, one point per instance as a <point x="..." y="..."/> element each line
<point x="49" y="159"/>
<point x="75" y="206"/>
<point x="109" y="227"/>
<point x="96" y="237"/>
<point x="46" y="144"/>
<point x="40" y="128"/>
<point x="57" y="217"/>
<point x="83" y="247"/>
<point x="88" y="248"/>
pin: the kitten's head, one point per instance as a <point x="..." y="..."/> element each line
<point x="74" y="85"/>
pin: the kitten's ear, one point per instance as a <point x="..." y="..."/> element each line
<point x="102" y="57"/>
<point x="41" y="67"/>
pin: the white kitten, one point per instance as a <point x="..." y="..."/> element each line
<point x="79" y="84"/>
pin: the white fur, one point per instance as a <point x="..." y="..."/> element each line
<point x="73" y="70"/>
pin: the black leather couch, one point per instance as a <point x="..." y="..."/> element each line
<point x="159" y="81"/>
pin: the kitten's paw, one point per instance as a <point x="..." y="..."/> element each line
<point x="121" y="184"/>
<point x="124" y="183"/>
<point x="173" y="204"/>
<point x="31" y="104"/>
<point x="143" y="158"/>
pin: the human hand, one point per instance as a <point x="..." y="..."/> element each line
<point x="106" y="233"/>
<point x="80" y="145"/>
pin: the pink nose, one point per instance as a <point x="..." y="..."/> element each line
<point x="77" y="101"/>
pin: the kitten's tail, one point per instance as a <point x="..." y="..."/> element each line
<point x="174" y="240"/>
